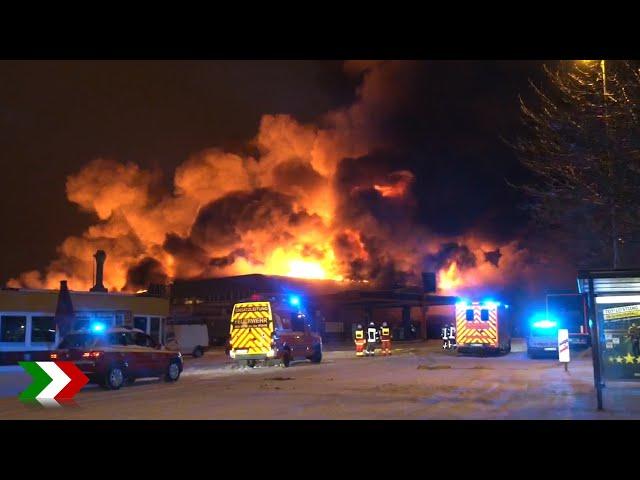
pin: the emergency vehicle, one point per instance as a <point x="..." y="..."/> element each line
<point x="563" y="310"/>
<point x="482" y="327"/>
<point x="274" y="328"/>
<point x="543" y="337"/>
<point x="570" y="311"/>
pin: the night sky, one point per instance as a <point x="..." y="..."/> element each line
<point x="56" y="116"/>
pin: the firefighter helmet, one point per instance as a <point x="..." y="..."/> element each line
<point x="384" y="324"/>
<point x="371" y="324"/>
<point x="359" y="327"/>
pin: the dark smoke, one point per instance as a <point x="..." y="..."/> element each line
<point x="147" y="271"/>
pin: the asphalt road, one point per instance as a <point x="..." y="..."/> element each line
<point x="419" y="381"/>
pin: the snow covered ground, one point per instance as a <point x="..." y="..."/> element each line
<point x="419" y="381"/>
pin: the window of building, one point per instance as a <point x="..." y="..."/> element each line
<point x="154" y="331"/>
<point x="12" y="328"/>
<point x="43" y="330"/>
<point x="141" y="323"/>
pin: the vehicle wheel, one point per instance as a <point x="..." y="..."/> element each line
<point x="317" y="354"/>
<point x="286" y="358"/>
<point x="198" y="351"/>
<point x="173" y="372"/>
<point x="251" y="363"/>
<point x="114" y="379"/>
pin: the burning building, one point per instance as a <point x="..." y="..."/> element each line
<point x="332" y="199"/>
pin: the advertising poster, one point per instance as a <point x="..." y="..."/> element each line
<point x="620" y="341"/>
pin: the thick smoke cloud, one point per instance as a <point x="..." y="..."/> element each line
<point x="334" y="199"/>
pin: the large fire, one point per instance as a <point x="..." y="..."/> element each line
<point x="307" y="203"/>
<point x="449" y="278"/>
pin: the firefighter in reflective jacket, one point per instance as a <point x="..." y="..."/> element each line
<point x="372" y="339"/>
<point x="385" y="339"/>
<point x="449" y="337"/>
<point x="358" y="338"/>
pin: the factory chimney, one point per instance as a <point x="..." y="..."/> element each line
<point x="100" y="257"/>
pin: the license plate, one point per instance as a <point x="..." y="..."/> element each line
<point x="242" y="351"/>
<point x="550" y="349"/>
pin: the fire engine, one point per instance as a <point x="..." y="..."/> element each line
<point x="483" y="327"/>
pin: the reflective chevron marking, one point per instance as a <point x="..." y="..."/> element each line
<point x="52" y="381"/>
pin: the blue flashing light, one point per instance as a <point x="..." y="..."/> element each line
<point x="545" y="324"/>
<point x="98" y="327"/>
<point x="491" y="303"/>
<point x="294" y="300"/>
<point x="461" y="304"/>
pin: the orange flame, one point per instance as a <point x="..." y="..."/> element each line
<point x="449" y="278"/>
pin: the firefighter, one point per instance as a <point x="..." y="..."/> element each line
<point x="452" y="337"/>
<point x="634" y="336"/>
<point x="385" y="339"/>
<point x="445" y="337"/>
<point x="358" y="338"/>
<point x="372" y="339"/>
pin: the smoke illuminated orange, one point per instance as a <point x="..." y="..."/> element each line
<point x="286" y="206"/>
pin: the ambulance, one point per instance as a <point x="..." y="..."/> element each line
<point x="483" y="327"/>
<point x="272" y="329"/>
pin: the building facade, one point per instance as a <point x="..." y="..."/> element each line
<point x="28" y="327"/>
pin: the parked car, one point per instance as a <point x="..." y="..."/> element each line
<point x="112" y="357"/>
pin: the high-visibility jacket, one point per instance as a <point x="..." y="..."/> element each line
<point x="372" y="334"/>
<point x="385" y="333"/>
<point x="359" y="335"/>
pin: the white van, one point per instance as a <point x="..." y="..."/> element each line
<point x="188" y="338"/>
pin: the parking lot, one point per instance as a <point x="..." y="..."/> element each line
<point x="419" y="381"/>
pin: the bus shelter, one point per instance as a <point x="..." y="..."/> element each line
<point x="613" y="307"/>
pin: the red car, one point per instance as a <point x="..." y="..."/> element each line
<point x="115" y="356"/>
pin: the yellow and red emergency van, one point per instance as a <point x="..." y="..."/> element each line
<point x="482" y="327"/>
<point x="272" y="328"/>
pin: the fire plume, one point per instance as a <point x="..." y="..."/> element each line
<point x="310" y="201"/>
<point x="449" y="278"/>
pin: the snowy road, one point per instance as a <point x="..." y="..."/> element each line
<point x="418" y="382"/>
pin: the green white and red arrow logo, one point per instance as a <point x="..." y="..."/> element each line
<point x="59" y="381"/>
